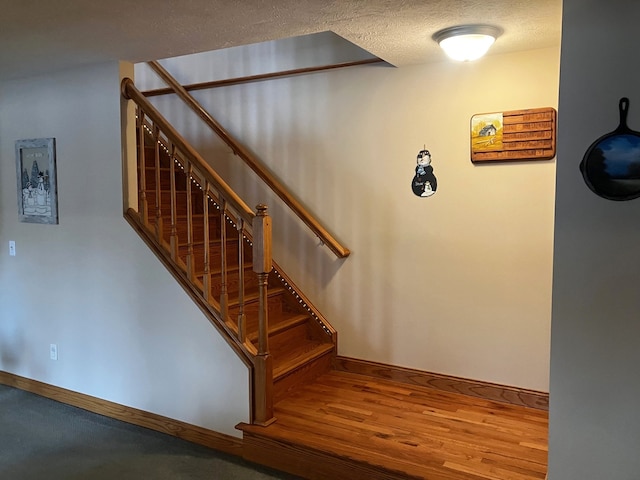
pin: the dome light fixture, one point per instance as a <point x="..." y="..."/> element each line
<point x="467" y="42"/>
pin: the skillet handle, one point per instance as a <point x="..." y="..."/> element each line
<point x="623" y="106"/>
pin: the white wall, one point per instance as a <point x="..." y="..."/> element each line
<point x="459" y="283"/>
<point x="125" y="330"/>
<point x="595" y="387"/>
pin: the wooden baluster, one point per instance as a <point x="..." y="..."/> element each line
<point x="206" y="279"/>
<point x="173" y="242"/>
<point x="156" y="153"/>
<point x="190" y="257"/>
<point x="224" y="295"/>
<point x="242" y="326"/>
<point x="262" y="264"/>
<point x="142" y="179"/>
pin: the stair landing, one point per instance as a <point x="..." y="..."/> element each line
<point x="351" y="426"/>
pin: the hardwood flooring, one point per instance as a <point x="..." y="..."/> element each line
<point x="346" y="425"/>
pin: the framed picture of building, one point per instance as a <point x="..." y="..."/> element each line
<point x="517" y="135"/>
<point x="36" y="180"/>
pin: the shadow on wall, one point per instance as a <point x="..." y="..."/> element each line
<point x="289" y="230"/>
<point x="12" y="345"/>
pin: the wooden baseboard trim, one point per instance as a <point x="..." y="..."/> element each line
<point x="474" y="388"/>
<point x="308" y="462"/>
<point x="192" y="433"/>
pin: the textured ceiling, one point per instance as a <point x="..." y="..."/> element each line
<point x="37" y="36"/>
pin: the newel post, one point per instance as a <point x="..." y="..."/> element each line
<point x="263" y="372"/>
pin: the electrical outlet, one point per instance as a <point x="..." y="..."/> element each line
<point x="12" y="248"/>
<point x="53" y="351"/>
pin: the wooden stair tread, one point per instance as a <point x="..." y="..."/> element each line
<point x="280" y="324"/>
<point x="179" y="189"/>
<point x="152" y="191"/>
<point x="217" y="269"/>
<point x="166" y="217"/>
<point x="212" y="243"/>
<point x="251" y="296"/>
<point x="301" y="354"/>
<point x="162" y="168"/>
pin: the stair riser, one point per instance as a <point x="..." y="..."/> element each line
<point x="251" y="310"/>
<point x="215" y="253"/>
<point x="233" y="282"/>
<point x="198" y="230"/>
<point x="251" y="316"/>
<point x="197" y="222"/>
<point x="312" y="464"/>
<point x="301" y="376"/>
<point x="165" y="180"/>
<point x="182" y="237"/>
<point x="149" y="156"/>
<point x="215" y="268"/>
<point x="181" y="202"/>
<point x="292" y="336"/>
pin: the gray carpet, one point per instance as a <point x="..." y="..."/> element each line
<point x="44" y="439"/>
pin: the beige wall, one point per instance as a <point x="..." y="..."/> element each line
<point x="125" y="330"/>
<point x="459" y="283"/>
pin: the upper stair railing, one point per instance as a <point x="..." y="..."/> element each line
<point x="201" y="184"/>
<point x="238" y="149"/>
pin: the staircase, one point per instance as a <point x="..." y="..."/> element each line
<point x="204" y="235"/>
<point x="332" y="423"/>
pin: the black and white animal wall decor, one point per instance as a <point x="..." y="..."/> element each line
<point x="424" y="183"/>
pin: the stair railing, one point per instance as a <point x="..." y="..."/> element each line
<point x="238" y="149"/>
<point x="250" y="226"/>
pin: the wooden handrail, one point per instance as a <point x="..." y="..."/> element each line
<point x="261" y="77"/>
<point x="336" y="247"/>
<point x="129" y="91"/>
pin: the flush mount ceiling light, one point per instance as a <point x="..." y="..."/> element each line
<point x="467" y="42"/>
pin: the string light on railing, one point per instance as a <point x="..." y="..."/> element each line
<point x="304" y="304"/>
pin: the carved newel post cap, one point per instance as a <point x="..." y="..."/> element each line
<point x="262" y="209"/>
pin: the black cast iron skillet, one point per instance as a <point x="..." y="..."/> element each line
<point x="611" y="165"/>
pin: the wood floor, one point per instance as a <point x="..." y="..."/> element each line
<point x="351" y="426"/>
